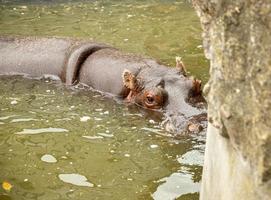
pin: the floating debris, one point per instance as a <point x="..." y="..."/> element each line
<point x="153" y="130"/>
<point x="41" y="130"/>
<point x="157" y="131"/>
<point x="97" y="119"/>
<point x="92" y="137"/>
<point x="84" y="118"/>
<point x="48" y="158"/>
<point x="6" y="186"/>
<point x="75" y="179"/>
<point x="106" y="135"/>
<point x="23" y="120"/>
<point x="153" y="146"/>
<point x="7" y="117"/>
<point x="13" y="102"/>
<point x="63" y="119"/>
<point x="106" y="113"/>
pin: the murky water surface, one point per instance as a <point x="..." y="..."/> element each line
<point x="70" y="143"/>
<point x="160" y="29"/>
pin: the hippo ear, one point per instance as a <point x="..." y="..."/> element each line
<point x="180" y="65"/>
<point x="196" y="86"/>
<point x="129" y="80"/>
<point x="161" y="84"/>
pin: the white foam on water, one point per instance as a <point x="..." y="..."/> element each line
<point x="153" y="130"/>
<point x="50" y="77"/>
<point x="153" y="146"/>
<point x="75" y="179"/>
<point x="23" y="120"/>
<point x="62" y="119"/>
<point x="7" y="117"/>
<point x="92" y="137"/>
<point x="48" y="158"/>
<point x="97" y="119"/>
<point x="106" y="135"/>
<point x="84" y="118"/>
<point x="157" y="131"/>
<point x="13" y="102"/>
<point x="41" y="130"/>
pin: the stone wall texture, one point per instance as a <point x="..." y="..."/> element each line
<point x="237" y="40"/>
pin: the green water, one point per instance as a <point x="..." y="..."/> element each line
<point x="122" y="151"/>
<point x="160" y="29"/>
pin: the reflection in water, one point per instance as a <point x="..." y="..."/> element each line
<point x="193" y="157"/>
<point x="121" y="149"/>
<point x="177" y="184"/>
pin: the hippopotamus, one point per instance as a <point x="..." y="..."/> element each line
<point x="142" y="81"/>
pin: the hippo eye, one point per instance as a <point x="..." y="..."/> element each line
<point x="153" y="99"/>
<point x="150" y="99"/>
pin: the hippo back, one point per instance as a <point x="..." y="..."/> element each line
<point x="34" y="57"/>
<point x="103" y="70"/>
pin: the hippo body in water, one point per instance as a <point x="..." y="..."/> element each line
<point x="139" y="80"/>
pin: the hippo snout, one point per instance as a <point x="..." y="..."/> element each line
<point x="179" y="124"/>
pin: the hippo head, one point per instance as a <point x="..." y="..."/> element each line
<point x="169" y="90"/>
<point x="150" y="95"/>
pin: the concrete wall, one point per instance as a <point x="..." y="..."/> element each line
<point x="237" y="40"/>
